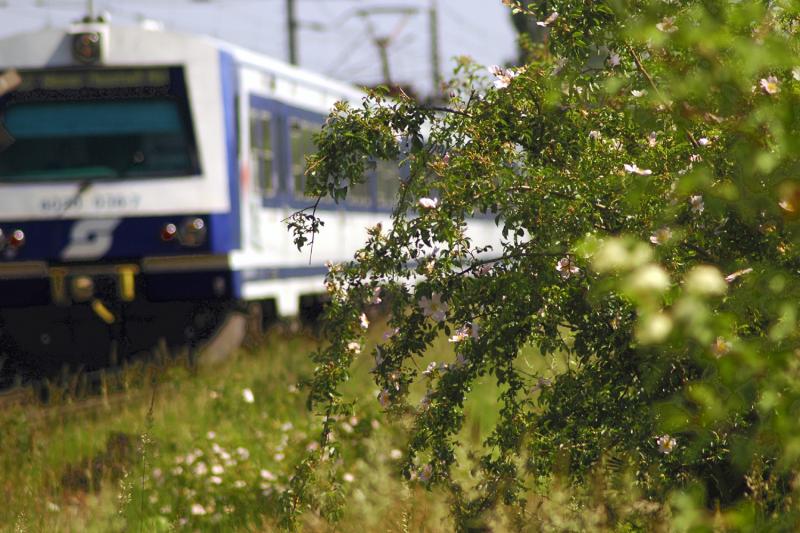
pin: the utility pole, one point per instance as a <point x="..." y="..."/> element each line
<point x="291" y="25"/>
<point x="436" y="75"/>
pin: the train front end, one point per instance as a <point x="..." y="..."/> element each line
<point x="118" y="195"/>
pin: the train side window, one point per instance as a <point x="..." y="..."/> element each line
<point x="388" y="177"/>
<point x="261" y="151"/>
<point x="301" y="138"/>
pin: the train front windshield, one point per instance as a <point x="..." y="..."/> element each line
<point x="95" y="124"/>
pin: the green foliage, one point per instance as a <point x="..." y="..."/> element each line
<point x="641" y="170"/>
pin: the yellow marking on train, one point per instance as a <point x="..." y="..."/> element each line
<point x="127" y="285"/>
<point x="102" y="311"/>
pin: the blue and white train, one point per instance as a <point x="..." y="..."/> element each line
<point x="144" y="180"/>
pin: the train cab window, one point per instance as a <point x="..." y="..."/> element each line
<point x="301" y="137"/>
<point x="388" y="182"/>
<point x="261" y="151"/>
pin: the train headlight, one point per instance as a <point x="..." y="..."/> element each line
<point x="16" y="239"/>
<point x="193" y="232"/>
<point x="169" y="232"/>
<point x="86" y="47"/>
<point x="82" y="288"/>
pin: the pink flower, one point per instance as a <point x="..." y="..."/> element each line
<point x="434" y="307"/>
<point x="770" y="85"/>
<point x="503" y="75"/>
<point x="566" y="268"/>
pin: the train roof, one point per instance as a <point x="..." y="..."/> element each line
<point x="46" y="48"/>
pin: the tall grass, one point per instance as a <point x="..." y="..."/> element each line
<point x="165" y="446"/>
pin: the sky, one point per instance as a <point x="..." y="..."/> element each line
<point x="333" y="39"/>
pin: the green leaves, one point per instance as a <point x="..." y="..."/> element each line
<point x="640" y="172"/>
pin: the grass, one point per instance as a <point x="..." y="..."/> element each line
<point x="167" y="447"/>
<point x="164" y="446"/>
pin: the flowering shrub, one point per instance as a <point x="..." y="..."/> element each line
<point x="642" y="171"/>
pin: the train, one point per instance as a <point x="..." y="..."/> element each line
<point x="145" y="180"/>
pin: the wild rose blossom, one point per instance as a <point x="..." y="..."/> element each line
<point x="503" y="75"/>
<point x="770" y="85"/>
<point x="661" y="236"/>
<point x="633" y="169"/>
<point x="354" y="347"/>
<point x="434" y="307"/>
<point x="429" y="203"/>
<point x="566" y="268"/>
<point x="667" y="25"/>
<point x="666" y="444"/>
<point x="697" y="204"/>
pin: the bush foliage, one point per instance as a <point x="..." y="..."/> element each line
<point x="642" y="173"/>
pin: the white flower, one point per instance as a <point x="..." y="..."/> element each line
<point x="770" y="85"/>
<point x="216" y="480"/>
<point x="384" y="398"/>
<point x="667" y="25"/>
<point x="633" y="169"/>
<point x="613" y="59"/>
<point x="636" y="93"/>
<point x="247" y="396"/>
<point x="198" y="510"/>
<point x="720" y="347"/>
<point x="652" y="139"/>
<point x="243" y="453"/>
<point x="661" y="236"/>
<point x="348" y="477"/>
<point x="217" y="470"/>
<point x="705" y="280"/>
<point x="287" y="426"/>
<point x="666" y="444"/>
<point x="703" y="141"/>
<point x="200" y="469"/>
<point x="239" y="484"/>
<point x="430" y="369"/>
<point x="503" y="75"/>
<point x="364" y="322"/>
<point x="594" y="135"/>
<point x="549" y="20"/>
<point x="267" y="475"/>
<point x="434" y="307"/>
<point x="279" y="457"/>
<point x="429" y="203"/>
<point x="697" y="203"/>
<point x="354" y="347"/>
<point x="566" y="268"/>
<point x="395" y="454"/>
<point x="211" y="435"/>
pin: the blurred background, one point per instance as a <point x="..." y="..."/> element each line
<point x="367" y="42"/>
